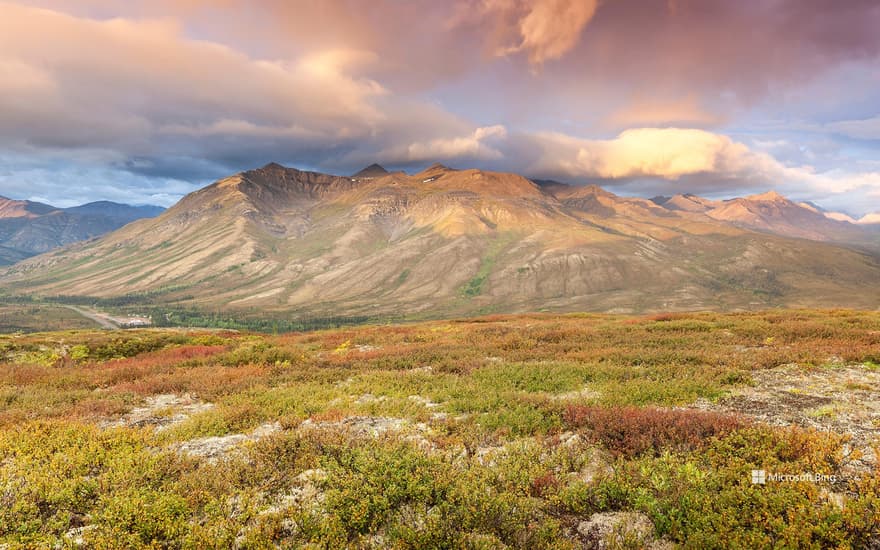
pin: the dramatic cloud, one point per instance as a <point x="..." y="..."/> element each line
<point x="544" y="29"/>
<point x="127" y="81"/>
<point x="667" y="153"/>
<point x="675" y="160"/>
<point x="145" y="90"/>
<point x="643" y="95"/>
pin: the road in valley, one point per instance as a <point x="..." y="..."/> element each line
<point x="103" y="321"/>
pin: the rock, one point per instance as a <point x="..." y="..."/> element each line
<point x="841" y="399"/>
<point x="373" y="426"/>
<point x="423" y="401"/>
<point x="597" y="465"/>
<point x="617" y="529"/>
<point x="581" y="394"/>
<point x="213" y="448"/>
<point x="368" y="398"/>
<point x="162" y="411"/>
<point x="75" y="536"/>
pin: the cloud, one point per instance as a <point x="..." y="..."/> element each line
<point x="544" y="29"/>
<point x="678" y="160"/>
<point x="475" y="146"/>
<point x="667" y="153"/>
<point x="125" y="80"/>
<point x="143" y="89"/>
<point x="644" y="110"/>
<point x="551" y="28"/>
<point x="867" y="129"/>
<point x="175" y="90"/>
<point x="83" y="182"/>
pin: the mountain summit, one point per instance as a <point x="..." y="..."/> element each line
<point x="372" y="171"/>
<point x="449" y="242"/>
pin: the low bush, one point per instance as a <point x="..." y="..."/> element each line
<point x="632" y="431"/>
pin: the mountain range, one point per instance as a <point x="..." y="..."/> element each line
<point x="452" y="242"/>
<point x="29" y="228"/>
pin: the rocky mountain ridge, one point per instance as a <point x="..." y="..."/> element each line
<point x="446" y="242"/>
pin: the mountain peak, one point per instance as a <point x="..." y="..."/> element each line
<point x="434" y="171"/>
<point x="437" y="167"/>
<point x="770" y="196"/>
<point x="372" y="171"/>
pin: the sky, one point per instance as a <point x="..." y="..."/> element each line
<point x="143" y="101"/>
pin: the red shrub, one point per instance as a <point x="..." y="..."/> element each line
<point x="633" y="431"/>
<point x="666" y="317"/>
<point x="543" y="485"/>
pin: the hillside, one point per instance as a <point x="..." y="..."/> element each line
<point x="445" y="241"/>
<point x="30" y="228"/>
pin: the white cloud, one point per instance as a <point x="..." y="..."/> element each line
<point x="668" y="153"/>
<point x="474" y="146"/>
<point x="691" y="160"/>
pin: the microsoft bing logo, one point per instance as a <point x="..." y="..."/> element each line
<point x="761" y="477"/>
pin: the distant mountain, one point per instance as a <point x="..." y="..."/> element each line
<point x="772" y="213"/>
<point x="10" y="208"/>
<point x="448" y="242"/>
<point x="687" y="203"/>
<point x="371" y="171"/>
<point x="29" y="228"/>
<point x="114" y="210"/>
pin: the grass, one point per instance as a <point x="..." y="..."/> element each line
<point x="40" y="317"/>
<point x="474" y="287"/>
<point x="498" y="418"/>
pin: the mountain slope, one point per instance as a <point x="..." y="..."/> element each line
<point x="29" y="228"/>
<point x="773" y="213"/>
<point x="10" y="208"/>
<point x="688" y="203"/>
<point x="448" y="242"/>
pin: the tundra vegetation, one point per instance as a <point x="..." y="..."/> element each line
<point x="494" y="432"/>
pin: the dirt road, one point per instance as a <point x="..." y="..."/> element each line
<point x="103" y="321"/>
